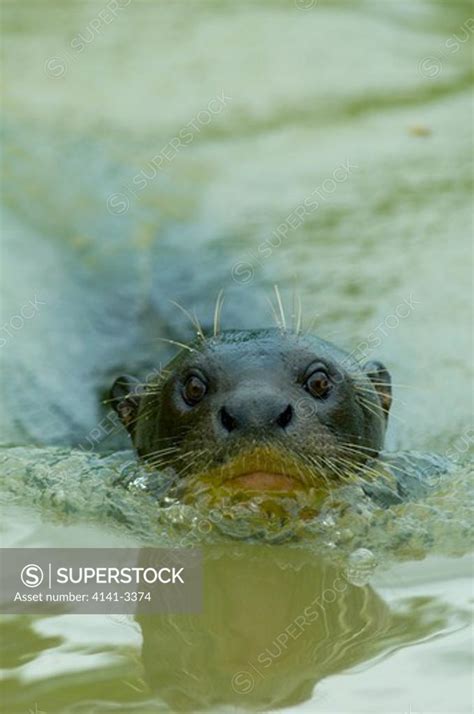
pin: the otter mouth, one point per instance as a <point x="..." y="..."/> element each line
<point x="261" y="470"/>
<point x="263" y="481"/>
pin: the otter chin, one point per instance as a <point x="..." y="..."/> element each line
<point x="263" y="481"/>
<point x="262" y="411"/>
<point x="259" y="471"/>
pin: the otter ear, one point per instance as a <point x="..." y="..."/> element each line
<point x="125" y="398"/>
<point x="382" y="381"/>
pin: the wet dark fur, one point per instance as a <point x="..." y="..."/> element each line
<point x="257" y="378"/>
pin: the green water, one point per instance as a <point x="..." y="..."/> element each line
<point x="366" y="108"/>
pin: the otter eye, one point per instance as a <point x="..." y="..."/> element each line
<point x="318" y="384"/>
<point x="194" y="390"/>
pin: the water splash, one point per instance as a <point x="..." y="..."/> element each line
<point x="353" y="527"/>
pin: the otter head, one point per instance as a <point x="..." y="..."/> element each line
<point x="265" y="410"/>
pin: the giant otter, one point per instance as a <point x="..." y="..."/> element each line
<point x="259" y="411"/>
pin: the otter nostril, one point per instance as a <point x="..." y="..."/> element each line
<point x="285" y="417"/>
<point x="227" y="420"/>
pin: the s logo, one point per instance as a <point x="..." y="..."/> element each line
<point x="32" y="575"/>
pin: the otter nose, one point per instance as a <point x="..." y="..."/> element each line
<point x="254" y="412"/>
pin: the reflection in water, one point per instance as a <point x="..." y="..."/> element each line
<point x="276" y="621"/>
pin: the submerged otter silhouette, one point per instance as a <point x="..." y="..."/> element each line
<point x="260" y="410"/>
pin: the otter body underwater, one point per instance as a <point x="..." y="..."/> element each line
<point x="269" y="412"/>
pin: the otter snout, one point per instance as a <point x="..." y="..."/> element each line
<point x="251" y="411"/>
